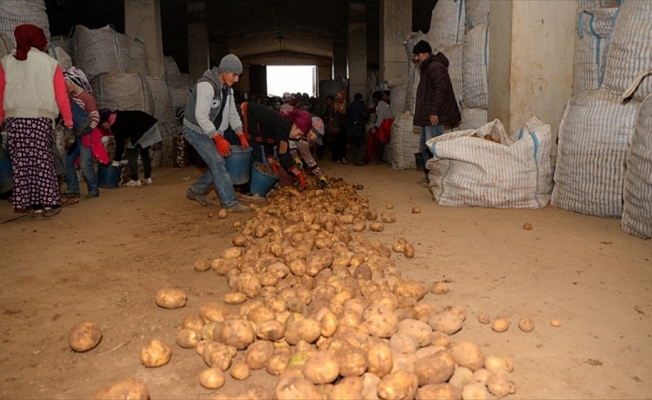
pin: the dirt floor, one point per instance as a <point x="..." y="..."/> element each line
<point x="105" y="259"/>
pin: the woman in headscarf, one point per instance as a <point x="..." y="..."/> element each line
<point x="339" y="144"/>
<point x="33" y="93"/>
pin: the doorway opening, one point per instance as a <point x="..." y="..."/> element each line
<point x="291" y="79"/>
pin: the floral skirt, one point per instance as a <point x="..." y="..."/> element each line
<point x="30" y="149"/>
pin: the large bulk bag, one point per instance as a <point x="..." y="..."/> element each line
<point x="123" y="91"/>
<point x="467" y="169"/>
<point x="475" y="71"/>
<point x="138" y="55"/>
<point x="163" y="110"/>
<point x="99" y="51"/>
<point x="6" y="45"/>
<point x="592" y="144"/>
<point x="473" y="118"/>
<point x="447" y="24"/>
<point x="477" y="12"/>
<point x="19" y="12"/>
<point x="404" y="142"/>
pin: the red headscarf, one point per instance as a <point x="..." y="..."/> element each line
<point x="28" y="36"/>
<point x="302" y="119"/>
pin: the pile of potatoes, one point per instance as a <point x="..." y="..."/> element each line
<point x="324" y="308"/>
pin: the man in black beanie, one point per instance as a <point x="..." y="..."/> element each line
<point x="436" y="108"/>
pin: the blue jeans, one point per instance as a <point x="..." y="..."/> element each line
<point x="427" y="133"/>
<point x="216" y="173"/>
<point x="86" y="166"/>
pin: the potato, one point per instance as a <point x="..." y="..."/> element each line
<point x="446" y="321"/>
<point x="188" y="338"/>
<point x="249" y="284"/>
<point x="258" y="354"/>
<point x="496" y="363"/>
<point x="409" y="287"/>
<point x="254" y="392"/>
<point x="218" y="355"/>
<point x="398" y="385"/>
<point x="318" y="260"/>
<point x="461" y="377"/>
<point x="171" y="298"/>
<point x="380" y="321"/>
<point x="352" y="362"/>
<point x="484" y="318"/>
<point x="260" y="314"/>
<point x="222" y="213"/>
<point x="416" y="210"/>
<point x="239" y="240"/>
<point x="500" y="325"/>
<point x="442" y="391"/>
<point x="84" y="336"/>
<point x="193" y="322"/>
<point x="358" y="226"/>
<point x="401" y="342"/>
<point x="231" y="252"/>
<point x="408" y="250"/>
<point x="439" y="288"/>
<point x="202" y="265"/>
<point x="468" y="354"/>
<point x="155" y="353"/>
<point x="278" y="362"/>
<point x="376" y="226"/>
<point x="237" y="224"/>
<point x="419" y="331"/>
<point x="207" y="331"/>
<point x="296" y="389"/>
<point x="235" y="332"/>
<point x="437" y="368"/>
<point x="476" y="391"/>
<point x="321" y="368"/>
<point x="270" y="330"/>
<point x="131" y="388"/>
<point x="481" y="376"/>
<point x="555" y="322"/>
<point x="398" y="246"/>
<point x="388" y="218"/>
<point x="526" y="324"/>
<point x="328" y="323"/>
<point x="240" y="371"/>
<point x="213" y="311"/>
<point x="212" y="378"/>
<point x="307" y="330"/>
<point x="348" y="388"/>
<point x="234" y="298"/>
<point x="440" y="339"/>
<point x="527" y="226"/>
<point x="379" y="359"/>
<point x="500" y="385"/>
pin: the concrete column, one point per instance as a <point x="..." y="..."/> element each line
<point x="530" y="61"/>
<point x="339" y="61"/>
<point x="143" y="21"/>
<point x="198" y="48"/>
<point x="395" y="26"/>
<point x="357" y="50"/>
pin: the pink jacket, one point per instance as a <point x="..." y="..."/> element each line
<point x="94" y="141"/>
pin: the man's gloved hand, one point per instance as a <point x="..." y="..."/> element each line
<point x="323" y="182"/>
<point x="243" y="140"/>
<point x="302" y="181"/>
<point x="116" y="163"/>
<point x="298" y="162"/>
<point x="223" y="146"/>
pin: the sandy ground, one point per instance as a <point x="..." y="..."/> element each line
<point x="104" y="260"/>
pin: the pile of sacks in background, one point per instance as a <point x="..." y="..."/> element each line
<point x="116" y="67"/>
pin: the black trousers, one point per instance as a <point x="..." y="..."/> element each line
<point x="132" y="159"/>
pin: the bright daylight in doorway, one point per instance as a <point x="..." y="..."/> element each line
<point x="293" y="79"/>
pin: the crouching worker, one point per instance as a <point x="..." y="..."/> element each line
<point x="210" y="111"/>
<point x="140" y="131"/>
<point x="300" y="151"/>
<point x="266" y="129"/>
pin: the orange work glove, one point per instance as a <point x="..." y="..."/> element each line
<point x="223" y="146"/>
<point x="243" y="140"/>
<point x="273" y="165"/>
<point x="300" y="177"/>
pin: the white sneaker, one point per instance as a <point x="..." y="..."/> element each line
<point x="133" y="183"/>
<point x="147" y="181"/>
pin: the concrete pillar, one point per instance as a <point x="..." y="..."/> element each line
<point x="339" y="61"/>
<point x="143" y="21"/>
<point x="198" y="48"/>
<point x="357" y="50"/>
<point x="395" y="26"/>
<point x="530" y="61"/>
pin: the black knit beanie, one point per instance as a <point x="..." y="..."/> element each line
<point x="422" y="47"/>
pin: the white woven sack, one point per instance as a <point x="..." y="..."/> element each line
<point x="630" y="49"/>
<point x="447" y="24"/>
<point x="162" y="151"/>
<point x="597" y="3"/>
<point x="473" y="118"/>
<point x="123" y="91"/>
<point x="172" y="73"/>
<point x="592" y="144"/>
<point x="163" y="110"/>
<point x="475" y="72"/>
<point x="637" y="189"/>
<point x="65" y="42"/>
<point x="455" y="55"/>
<point x="477" y="12"/>
<point x="60" y="55"/>
<point x="99" y="51"/>
<point x="179" y="96"/>
<point x="138" y="54"/>
<point x="398" y="86"/>
<point x="6" y="45"/>
<point x="405" y="142"/>
<point x="468" y="170"/>
<point x="594" y="27"/>
<point x="19" y="12"/>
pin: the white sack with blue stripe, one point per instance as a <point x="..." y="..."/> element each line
<point x="475" y="72"/>
<point x="405" y="141"/>
<point x="473" y="118"/>
<point x="630" y="49"/>
<point x="447" y="24"/>
<point x="594" y="27"/>
<point x="637" y="191"/>
<point x="592" y="144"/>
<point x="477" y="12"/>
<point x="467" y="169"/>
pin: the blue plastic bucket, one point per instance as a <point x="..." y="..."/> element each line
<point x="109" y="176"/>
<point x="262" y="182"/>
<point x="238" y="164"/>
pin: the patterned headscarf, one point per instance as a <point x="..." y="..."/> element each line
<point x="318" y="129"/>
<point x="78" y="77"/>
<point x="340" y="101"/>
<point x="28" y="36"/>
